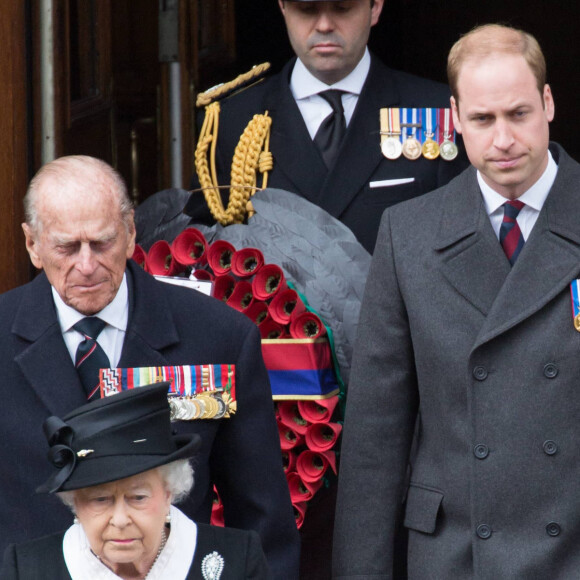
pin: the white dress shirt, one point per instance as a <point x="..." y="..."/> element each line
<point x="115" y="314"/>
<point x="314" y="109"/>
<point x="533" y="198"/>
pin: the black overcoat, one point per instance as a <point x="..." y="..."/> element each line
<point x="43" y="559"/>
<point x="168" y="325"/>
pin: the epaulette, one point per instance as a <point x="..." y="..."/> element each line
<point x="256" y="73"/>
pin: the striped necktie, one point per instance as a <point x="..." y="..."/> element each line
<point x="90" y="356"/>
<point x="510" y="235"/>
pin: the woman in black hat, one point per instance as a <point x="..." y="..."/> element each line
<point x="120" y="469"/>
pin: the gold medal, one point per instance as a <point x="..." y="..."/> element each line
<point x="196" y="408"/>
<point x="211" y="406"/>
<point x="430" y="149"/>
<point x="201" y="406"/>
<point x="390" y="131"/>
<point x="412" y="148"/>
<point x="577" y="322"/>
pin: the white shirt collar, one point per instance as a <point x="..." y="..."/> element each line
<point x="304" y="84"/>
<point x="115" y="313"/>
<point x="534" y="197"/>
<point x="174" y="561"/>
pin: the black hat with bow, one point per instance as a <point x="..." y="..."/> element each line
<point x="113" y="438"/>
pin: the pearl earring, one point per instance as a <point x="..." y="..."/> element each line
<point x="76" y="520"/>
<point x="168" y="519"/>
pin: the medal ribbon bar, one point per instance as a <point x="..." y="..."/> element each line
<point x="575" y="296"/>
<point x="195" y="392"/>
<point x="431" y="127"/>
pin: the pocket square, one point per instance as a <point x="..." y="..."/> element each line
<point x="391" y="182"/>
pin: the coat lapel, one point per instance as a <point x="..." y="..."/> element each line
<point x="472" y="259"/>
<point x="361" y="144"/>
<point x="549" y="261"/>
<point x="148" y="310"/>
<point x="44" y="359"/>
<point x="294" y="151"/>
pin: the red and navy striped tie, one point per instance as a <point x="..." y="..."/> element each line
<point x="510" y="235"/>
<point x="90" y="356"/>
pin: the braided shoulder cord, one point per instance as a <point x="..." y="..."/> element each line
<point x="220" y="91"/>
<point x="248" y="158"/>
<point x="207" y="137"/>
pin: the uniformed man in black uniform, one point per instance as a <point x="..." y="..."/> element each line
<point x="333" y="157"/>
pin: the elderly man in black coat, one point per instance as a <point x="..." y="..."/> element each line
<point x="79" y="230"/>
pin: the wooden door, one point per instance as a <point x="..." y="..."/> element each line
<point x="112" y="82"/>
<point x="15" y="158"/>
<point x="82" y="82"/>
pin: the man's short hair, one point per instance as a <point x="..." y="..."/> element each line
<point x="69" y="167"/>
<point x="490" y="39"/>
<point x="284" y="1"/>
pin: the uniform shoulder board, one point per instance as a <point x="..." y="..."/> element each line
<point x="256" y="73"/>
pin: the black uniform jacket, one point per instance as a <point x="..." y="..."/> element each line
<point x="351" y="191"/>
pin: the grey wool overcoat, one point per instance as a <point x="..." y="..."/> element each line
<point x="479" y="364"/>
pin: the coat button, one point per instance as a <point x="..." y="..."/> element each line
<point x="550" y="447"/>
<point x="550" y="370"/>
<point x="553" y="529"/>
<point x="481" y="451"/>
<point x="480" y="373"/>
<point x="484" y="531"/>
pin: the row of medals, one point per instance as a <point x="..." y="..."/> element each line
<point x="203" y="406"/>
<point x="412" y="149"/>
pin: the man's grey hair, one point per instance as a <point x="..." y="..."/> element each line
<point x="75" y="167"/>
<point x="177" y="478"/>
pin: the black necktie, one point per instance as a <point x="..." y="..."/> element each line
<point x="329" y="136"/>
<point x="90" y="356"/>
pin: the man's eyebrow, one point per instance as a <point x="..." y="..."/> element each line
<point x="63" y="241"/>
<point x="104" y="238"/>
<point x="479" y="113"/>
<point x="60" y="241"/>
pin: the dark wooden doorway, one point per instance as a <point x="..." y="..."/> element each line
<point x="112" y="89"/>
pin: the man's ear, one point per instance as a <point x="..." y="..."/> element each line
<point x="32" y="246"/>
<point x="455" y="113"/>
<point x="376" y="9"/>
<point x="549" y="106"/>
<point x="132" y="234"/>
